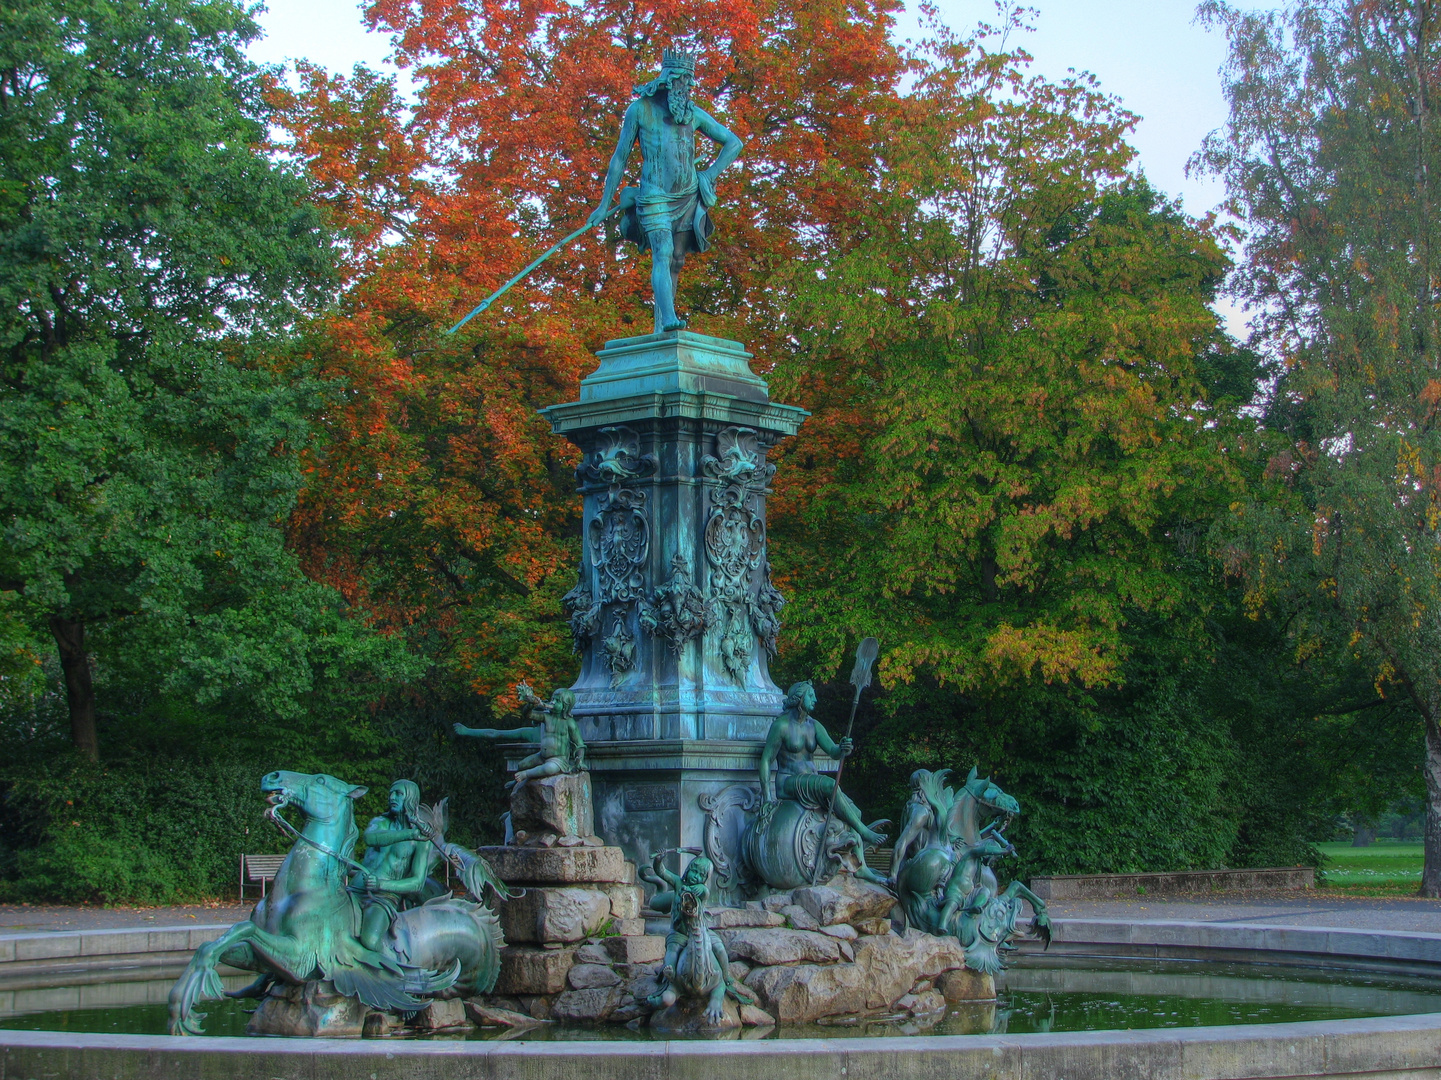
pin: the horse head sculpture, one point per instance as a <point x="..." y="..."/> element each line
<point x="306" y="930"/>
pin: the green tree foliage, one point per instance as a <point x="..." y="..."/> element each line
<point x="1025" y="419"/>
<point x="152" y="260"/>
<point x="1329" y="155"/>
<point x="156" y="269"/>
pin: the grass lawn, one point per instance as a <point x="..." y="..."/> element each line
<point x="1392" y="866"/>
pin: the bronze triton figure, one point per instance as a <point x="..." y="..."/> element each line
<point x="669" y="212"/>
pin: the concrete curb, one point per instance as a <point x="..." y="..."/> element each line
<point x="1393" y="1047"/>
<point x="1109" y="886"/>
<point x="80" y="950"/>
<point x="1408" y="1046"/>
<point x="1382" y="950"/>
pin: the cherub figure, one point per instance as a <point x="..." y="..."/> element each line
<point x="696" y="962"/>
<point x="561" y="748"/>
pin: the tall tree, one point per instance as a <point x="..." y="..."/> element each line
<point x="152" y="262"/>
<point x="1330" y="156"/>
<point x="1024" y="419"/>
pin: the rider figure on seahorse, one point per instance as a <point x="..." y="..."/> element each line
<point x="309" y="928"/>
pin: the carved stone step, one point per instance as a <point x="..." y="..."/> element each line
<point x="525" y="969"/>
<point x="560" y="866"/>
<point x="549" y="915"/>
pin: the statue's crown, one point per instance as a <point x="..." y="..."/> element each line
<point x="678" y="60"/>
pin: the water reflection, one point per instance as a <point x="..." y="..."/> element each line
<point x="1040" y="994"/>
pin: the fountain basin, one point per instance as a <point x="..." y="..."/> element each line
<point x="1374" y="1046"/>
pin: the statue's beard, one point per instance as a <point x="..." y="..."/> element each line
<point x="678" y="96"/>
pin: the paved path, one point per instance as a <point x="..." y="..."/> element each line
<point x="1308" y="908"/>
<point x="29" y="918"/>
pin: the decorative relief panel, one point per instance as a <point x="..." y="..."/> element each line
<point x="735" y="538"/>
<point x="677" y="612"/>
<point x="619" y="543"/>
<point x="616" y="458"/>
<point x="582" y="612"/>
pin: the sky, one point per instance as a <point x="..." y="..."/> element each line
<point x="1150" y="53"/>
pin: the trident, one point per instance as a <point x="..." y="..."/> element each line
<point x="860" y="679"/>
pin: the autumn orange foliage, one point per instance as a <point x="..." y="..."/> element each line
<point x="442" y="503"/>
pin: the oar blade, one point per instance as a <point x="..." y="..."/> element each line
<point x="866" y="654"/>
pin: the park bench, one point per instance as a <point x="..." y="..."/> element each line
<point x="258" y="869"/>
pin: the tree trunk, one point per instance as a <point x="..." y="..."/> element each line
<point x="75" y="663"/>
<point x="1431" y="871"/>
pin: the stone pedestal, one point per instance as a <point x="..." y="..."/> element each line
<point x="674" y="614"/>
<point x="554" y="810"/>
<point x="567" y="895"/>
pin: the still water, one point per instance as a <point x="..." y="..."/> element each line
<point x="1038" y="994"/>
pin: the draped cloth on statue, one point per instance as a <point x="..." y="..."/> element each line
<point x="644" y="212"/>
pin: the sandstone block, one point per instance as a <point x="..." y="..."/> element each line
<point x="310" y="1010"/>
<point x="644" y="949"/>
<point x="628" y="927"/>
<point x="559" y="865"/>
<point x="440" y="1015"/>
<point x="643" y="986"/>
<point x="843" y="931"/>
<point x="753" y="1016"/>
<point x="382" y="1025"/>
<point x="629" y="1009"/>
<point x="586" y="1006"/>
<point x="776" y="946"/>
<point x="528" y="970"/>
<point x="538" y="1005"/>
<point x="962" y="984"/>
<point x="625" y="900"/>
<point x="551" y="915"/>
<point x="799" y="917"/>
<point x="560" y="805"/>
<point x="592" y="952"/>
<point x="805" y="992"/>
<point x="884" y="971"/>
<point x="873" y="926"/>
<point x="727" y="917"/>
<point x="926" y="1002"/>
<point x="495" y="1016"/>
<point x="844" y="899"/>
<point x="893" y="963"/>
<point x="739" y="969"/>
<point x="592" y="976"/>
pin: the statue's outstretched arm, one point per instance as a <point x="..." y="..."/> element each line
<point x="657" y="862"/>
<point x="520" y="734"/>
<point x="629" y="131"/>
